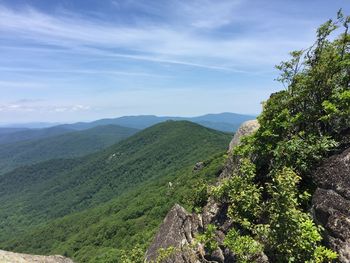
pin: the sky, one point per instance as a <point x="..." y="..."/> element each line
<point x="80" y="60"/>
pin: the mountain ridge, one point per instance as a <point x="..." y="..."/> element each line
<point x="67" y="145"/>
<point x="56" y="188"/>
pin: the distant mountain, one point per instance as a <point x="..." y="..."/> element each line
<point x="227" y="122"/>
<point x="30" y="134"/>
<point x="225" y="117"/>
<point x="30" y="125"/>
<point x="7" y="130"/>
<point x="34" y="200"/>
<point x="70" y="144"/>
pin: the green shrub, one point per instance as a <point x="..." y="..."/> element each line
<point x="244" y="246"/>
<point x="208" y="239"/>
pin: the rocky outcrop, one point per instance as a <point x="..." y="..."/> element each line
<point x="177" y="231"/>
<point x="330" y="207"/>
<point x="246" y="128"/>
<point x="331" y="202"/>
<point x="180" y="227"/>
<point x="10" y="257"/>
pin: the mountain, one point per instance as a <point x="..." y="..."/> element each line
<point x="70" y="144"/>
<point x="36" y="197"/>
<point x="7" y="130"/>
<point x="30" y="125"/>
<point x="227" y="122"/>
<point x="15" y="135"/>
<point x="101" y="234"/>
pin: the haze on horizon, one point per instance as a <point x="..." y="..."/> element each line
<point x="66" y="61"/>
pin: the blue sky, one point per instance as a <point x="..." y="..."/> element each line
<point x="72" y="60"/>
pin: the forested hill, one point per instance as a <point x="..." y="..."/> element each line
<point x="34" y="195"/>
<point x="68" y="145"/>
<point x="11" y="135"/>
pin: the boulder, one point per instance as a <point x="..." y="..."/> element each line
<point x="198" y="166"/>
<point x="177" y="231"/>
<point x="11" y="257"/>
<point x="331" y="202"/>
<point x="246" y="128"/>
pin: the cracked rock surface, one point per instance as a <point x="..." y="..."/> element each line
<point x="177" y="231"/>
<point x="331" y="202"/>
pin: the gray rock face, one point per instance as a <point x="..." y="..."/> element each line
<point x="331" y="202"/>
<point x="10" y="257"/>
<point x="177" y="231"/>
<point x="246" y="128"/>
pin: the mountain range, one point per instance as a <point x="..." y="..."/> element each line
<point x="227" y="122"/>
<point x="66" y="145"/>
<point x="86" y="207"/>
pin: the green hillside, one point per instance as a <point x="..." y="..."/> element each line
<point x="34" y="195"/>
<point x="18" y="135"/>
<point x="72" y="144"/>
<point x="100" y="234"/>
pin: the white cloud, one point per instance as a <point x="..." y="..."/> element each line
<point x="209" y="14"/>
<point x="161" y="43"/>
<point x="71" y="71"/>
<point x="40" y="106"/>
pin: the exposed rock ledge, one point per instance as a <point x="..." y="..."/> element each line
<point x="10" y="257"/>
<point x="331" y="202"/>
<point x="331" y="208"/>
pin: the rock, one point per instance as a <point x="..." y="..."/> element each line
<point x="180" y="227"/>
<point x="11" y="257"/>
<point x="331" y="202"/>
<point x="198" y="166"/>
<point x="334" y="174"/>
<point x="217" y="256"/>
<point x="216" y="213"/>
<point x="210" y="212"/>
<point x="246" y="128"/>
<point x="177" y="231"/>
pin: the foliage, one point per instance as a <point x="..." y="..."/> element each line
<point x="199" y="197"/>
<point x="164" y="253"/>
<point x="134" y="255"/>
<point x="123" y="218"/>
<point x="67" y="145"/>
<point x="299" y="126"/>
<point x="208" y="239"/>
<point x="241" y="194"/>
<point x="244" y="246"/>
<point x="56" y="188"/>
<point x="314" y="108"/>
<point x="293" y="237"/>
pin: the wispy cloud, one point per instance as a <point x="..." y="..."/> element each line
<point x="205" y="14"/>
<point x="19" y="84"/>
<point x="162" y="43"/>
<point x="40" y="106"/>
<point x="73" y="71"/>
